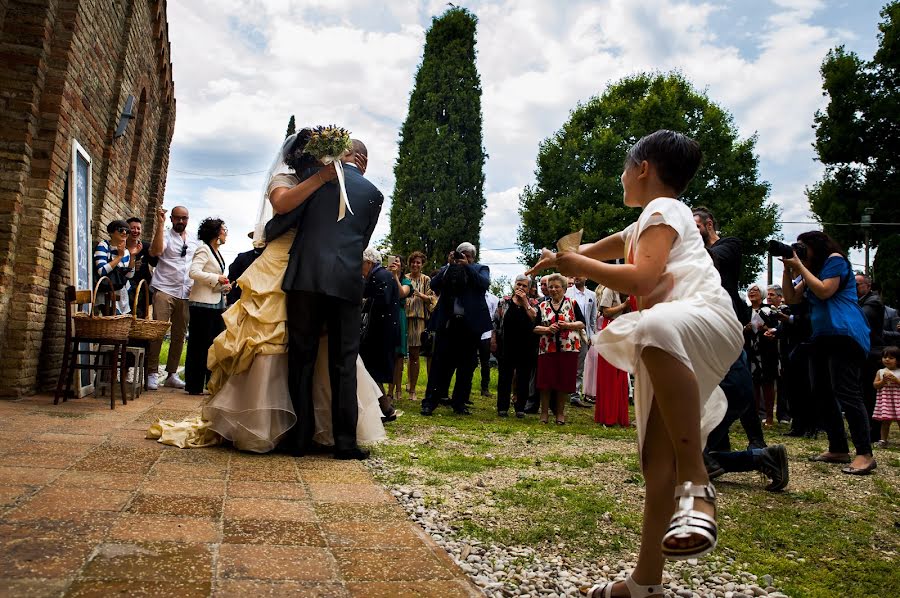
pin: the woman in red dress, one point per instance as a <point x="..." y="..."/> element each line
<point x="611" y="408"/>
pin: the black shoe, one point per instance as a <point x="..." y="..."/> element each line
<point x="357" y="454"/>
<point x="427" y="411"/>
<point x="795" y="433"/>
<point x="531" y="408"/>
<point x="773" y="462"/>
<point x="713" y="468"/>
<point x="389" y="417"/>
<point x="576" y="402"/>
<point x="520" y="414"/>
<point x="756" y="444"/>
<point x="503" y="414"/>
<point x="463" y="411"/>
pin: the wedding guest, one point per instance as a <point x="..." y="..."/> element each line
<point x="611" y="408"/>
<point x="239" y="266"/>
<point x="873" y="309"/>
<point x="404" y="286"/>
<point x="487" y="346"/>
<point x="516" y="347"/>
<point x="775" y="300"/>
<point x="762" y="351"/>
<point x="112" y="260"/>
<point x="887" y="384"/>
<point x="586" y="302"/>
<point x="459" y="320"/>
<point x="378" y="345"/>
<point x="419" y="305"/>
<point x="558" y="348"/>
<point x="171" y="286"/>
<point x="142" y="261"/>
<point x="206" y="302"/>
<point x="840" y="344"/>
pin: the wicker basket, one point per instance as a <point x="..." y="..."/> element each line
<point x="113" y="328"/>
<point x="146" y="329"/>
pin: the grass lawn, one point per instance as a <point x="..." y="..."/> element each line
<point x="164" y="353"/>
<point x="577" y="490"/>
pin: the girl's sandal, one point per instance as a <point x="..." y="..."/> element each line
<point x="688" y="523"/>
<point x="635" y="590"/>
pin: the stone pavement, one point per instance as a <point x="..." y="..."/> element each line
<point x="92" y="508"/>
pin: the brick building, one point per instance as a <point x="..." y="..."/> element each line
<point x="67" y="69"/>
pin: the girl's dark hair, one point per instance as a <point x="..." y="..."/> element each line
<point x="294" y="156"/>
<point x="675" y="156"/>
<point x="821" y="246"/>
<point x="209" y="229"/>
<point x="891" y="351"/>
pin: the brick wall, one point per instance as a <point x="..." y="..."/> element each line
<point x="66" y="69"/>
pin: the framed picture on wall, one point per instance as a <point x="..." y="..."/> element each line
<point x="81" y="252"/>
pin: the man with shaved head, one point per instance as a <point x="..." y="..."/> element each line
<point x="171" y="285"/>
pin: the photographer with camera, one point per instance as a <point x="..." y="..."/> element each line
<point x="840" y="343"/>
<point x="459" y="320"/>
<point x="762" y="351"/>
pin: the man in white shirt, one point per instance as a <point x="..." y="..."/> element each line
<point x="588" y="305"/>
<point x="171" y="285"/>
<point x="488" y="345"/>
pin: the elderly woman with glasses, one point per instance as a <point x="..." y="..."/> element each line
<point x="559" y="325"/>
<point x="112" y="260"/>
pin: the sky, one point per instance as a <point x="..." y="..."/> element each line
<point x="243" y="67"/>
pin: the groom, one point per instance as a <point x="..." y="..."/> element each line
<point x="324" y="288"/>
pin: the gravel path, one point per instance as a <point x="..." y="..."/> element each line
<point x="502" y="571"/>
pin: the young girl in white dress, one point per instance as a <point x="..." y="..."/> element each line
<point x="679" y="345"/>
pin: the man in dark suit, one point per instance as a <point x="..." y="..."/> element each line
<point x="460" y="318"/>
<point x="324" y="288"/>
<point x="240" y="264"/>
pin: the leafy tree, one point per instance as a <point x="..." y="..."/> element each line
<point x="438" y="197"/>
<point x="501" y="286"/>
<point x="858" y="141"/>
<point x="292" y="127"/>
<point x="886" y="269"/>
<point x="578" y="168"/>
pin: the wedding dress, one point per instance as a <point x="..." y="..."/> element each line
<point x="250" y="403"/>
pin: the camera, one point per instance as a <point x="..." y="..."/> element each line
<point x="458" y="255"/>
<point x="785" y="251"/>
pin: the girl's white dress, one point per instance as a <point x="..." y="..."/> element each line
<point x="695" y="323"/>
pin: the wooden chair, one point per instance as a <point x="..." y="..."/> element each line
<point x="96" y="359"/>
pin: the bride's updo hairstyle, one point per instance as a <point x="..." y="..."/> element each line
<point x="292" y="152"/>
<point x="675" y="156"/>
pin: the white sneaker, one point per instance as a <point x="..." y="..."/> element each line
<point x="152" y="381"/>
<point x="173" y="381"/>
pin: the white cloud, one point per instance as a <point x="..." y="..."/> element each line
<point x="242" y="68"/>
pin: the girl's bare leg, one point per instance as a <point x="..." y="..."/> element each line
<point x="678" y="399"/>
<point x="397" y="386"/>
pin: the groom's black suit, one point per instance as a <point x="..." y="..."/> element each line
<point x="324" y="287"/>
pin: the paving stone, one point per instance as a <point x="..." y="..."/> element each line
<point x="392" y="565"/>
<point x="189" y="506"/>
<point x="33" y="588"/>
<point x="358" y="493"/>
<point x="270" y="531"/>
<point x="324" y="476"/>
<point x="343" y="512"/>
<point x="298" y="563"/>
<point x="241" y="588"/>
<point x="257" y="473"/>
<point x="63" y="502"/>
<point x="26" y="552"/>
<point x="150" y="561"/>
<point x="10" y="493"/>
<point x="69" y="438"/>
<point x="181" y="470"/>
<point x="161" y="528"/>
<point x="284" y="490"/>
<point x="36" y="476"/>
<point x="118" y="459"/>
<point x="269" y="508"/>
<point x="100" y="480"/>
<point x="382" y="589"/>
<point x="183" y="487"/>
<point x="370" y="535"/>
<point x="99" y="588"/>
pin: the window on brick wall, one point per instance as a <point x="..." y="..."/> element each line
<point x="134" y="163"/>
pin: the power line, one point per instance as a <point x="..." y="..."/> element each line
<point x="218" y="175"/>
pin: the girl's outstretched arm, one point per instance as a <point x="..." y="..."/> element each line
<point x="608" y="248"/>
<point x="639" y="278"/>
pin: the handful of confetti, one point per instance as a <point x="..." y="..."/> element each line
<point x="329" y="144"/>
<point x="570" y="242"/>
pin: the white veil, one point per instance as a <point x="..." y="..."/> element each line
<point x="265" y="212"/>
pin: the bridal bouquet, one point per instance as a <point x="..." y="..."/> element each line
<point x="329" y="144"/>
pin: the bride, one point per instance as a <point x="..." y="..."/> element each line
<point x="250" y="403"/>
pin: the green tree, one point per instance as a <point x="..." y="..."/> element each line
<point x="886" y="269"/>
<point x="292" y="127"/>
<point x="438" y="197"/>
<point x="578" y="168"/>
<point x="858" y="140"/>
<point x="501" y="286"/>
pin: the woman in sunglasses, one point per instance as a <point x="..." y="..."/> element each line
<point x="112" y="260"/>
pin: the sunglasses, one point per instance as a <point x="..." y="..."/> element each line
<point x="184" y="250"/>
<point x="123" y="230"/>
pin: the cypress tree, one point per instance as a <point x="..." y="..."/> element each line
<point x="438" y="197"/>
<point x="292" y="127"/>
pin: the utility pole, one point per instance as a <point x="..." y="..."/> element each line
<point x="866" y="224"/>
